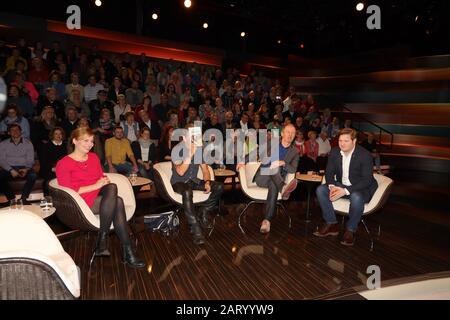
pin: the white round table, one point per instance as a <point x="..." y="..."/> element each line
<point x="36" y="209"/>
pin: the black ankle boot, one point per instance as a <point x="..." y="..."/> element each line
<point x="101" y="247"/>
<point x="197" y="236"/>
<point x="204" y="219"/>
<point x="130" y="259"/>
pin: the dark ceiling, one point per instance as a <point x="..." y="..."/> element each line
<point x="325" y="28"/>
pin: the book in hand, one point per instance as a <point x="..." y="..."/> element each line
<point x="195" y="134"/>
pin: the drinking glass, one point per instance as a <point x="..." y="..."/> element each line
<point x="43" y="204"/>
<point x="133" y="178"/>
<point x="49" y="202"/>
<point x="19" y="204"/>
<point x="13" y="204"/>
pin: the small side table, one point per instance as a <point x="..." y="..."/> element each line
<point x="139" y="182"/>
<point x="310" y="181"/>
<point x="36" y="209"/>
<point x="221" y="175"/>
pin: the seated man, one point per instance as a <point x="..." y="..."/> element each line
<point x="370" y="144"/>
<point x="184" y="180"/>
<point x="117" y="149"/>
<point x="16" y="161"/>
<point x="324" y="150"/>
<point x="349" y="175"/>
<point x="279" y="166"/>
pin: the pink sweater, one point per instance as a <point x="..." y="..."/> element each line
<point x="75" y="174"/>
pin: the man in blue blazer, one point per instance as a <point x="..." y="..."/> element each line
<point x="349" y="175"/>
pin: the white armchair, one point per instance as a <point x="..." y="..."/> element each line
<point x="381" y="195"/>
<point x="163" y="174"/>
<point x="33" y="264"/>
<point x="255" y="193"/>
<point x="73" y="211"/>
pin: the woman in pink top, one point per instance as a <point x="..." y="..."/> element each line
<point x="312" y="151"/>
<point x="82" y="172"/>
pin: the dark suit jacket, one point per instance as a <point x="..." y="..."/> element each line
<point x="360" y="172"/>
<point x="155" y="130"/>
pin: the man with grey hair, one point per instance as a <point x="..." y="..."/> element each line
<point x="272" y="174"/>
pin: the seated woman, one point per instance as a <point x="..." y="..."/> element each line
<point x="311" y="151"/>
<point x="145" y="153"/>
<point x="82" y="172"/>
<point x="43" y="125"/>
<point x="13" y="115"/>
<point x="166" y="144"/>
<point x="49" y="154"/>
<point x="130" y="127"/>
<point x="105" y="125"/>
<point x="98" y="147"/>
<point x="299" y="144"/>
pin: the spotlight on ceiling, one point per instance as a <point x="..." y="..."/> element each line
<point x="242" y="34"/>
<point x="417" y="18"/>
<point x="302" y="45"/>
<point x="187" y="3"/>
<point x="360" y="6"/>
<point x="154" y="16"/>
<point x="205" y="25"/>
<point x="98" y="3"/>
<point x="279" y="41"/>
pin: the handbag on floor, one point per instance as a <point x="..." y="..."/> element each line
<point x="164" y="222"/>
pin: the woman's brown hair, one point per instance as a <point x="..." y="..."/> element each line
<point x="52" y="133"/>
<point x="79" y="132"/>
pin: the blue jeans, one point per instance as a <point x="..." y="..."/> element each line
<point x="377" y="161"/>
<point x="124" y="168"/>
<point x="356" y="207"/>
<point x="146" y="173"/>
<point x="5" y="177"/>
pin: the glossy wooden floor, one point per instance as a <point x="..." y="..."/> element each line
<point x="286" y="264"/>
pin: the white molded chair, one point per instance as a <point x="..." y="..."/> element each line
<point x="255" y="193"/>
<point x="163" y="174"/>
<point x="33" y="264"/>
<point x="73" y="211"/>
<point x="378" y="200"/>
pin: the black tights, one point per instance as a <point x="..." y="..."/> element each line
<point x="112" y="210"/>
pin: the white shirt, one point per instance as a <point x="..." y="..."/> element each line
<point x="324" y="146"/>
<point x="90" y="92"/>
<point x="148" y="123"/>
<point x="346" y="168"/>
<point x="131" y="134"/>
<point x="56" y="143"/>
<point x="144" y="153"/>
<point x="244" y="127"/>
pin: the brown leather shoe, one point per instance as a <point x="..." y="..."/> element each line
<point x="348" y="239"/>
<point x="327" y="230"/>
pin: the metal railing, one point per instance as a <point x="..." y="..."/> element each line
<point x="328" y="100"/>
<point x="381" y="129"/>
